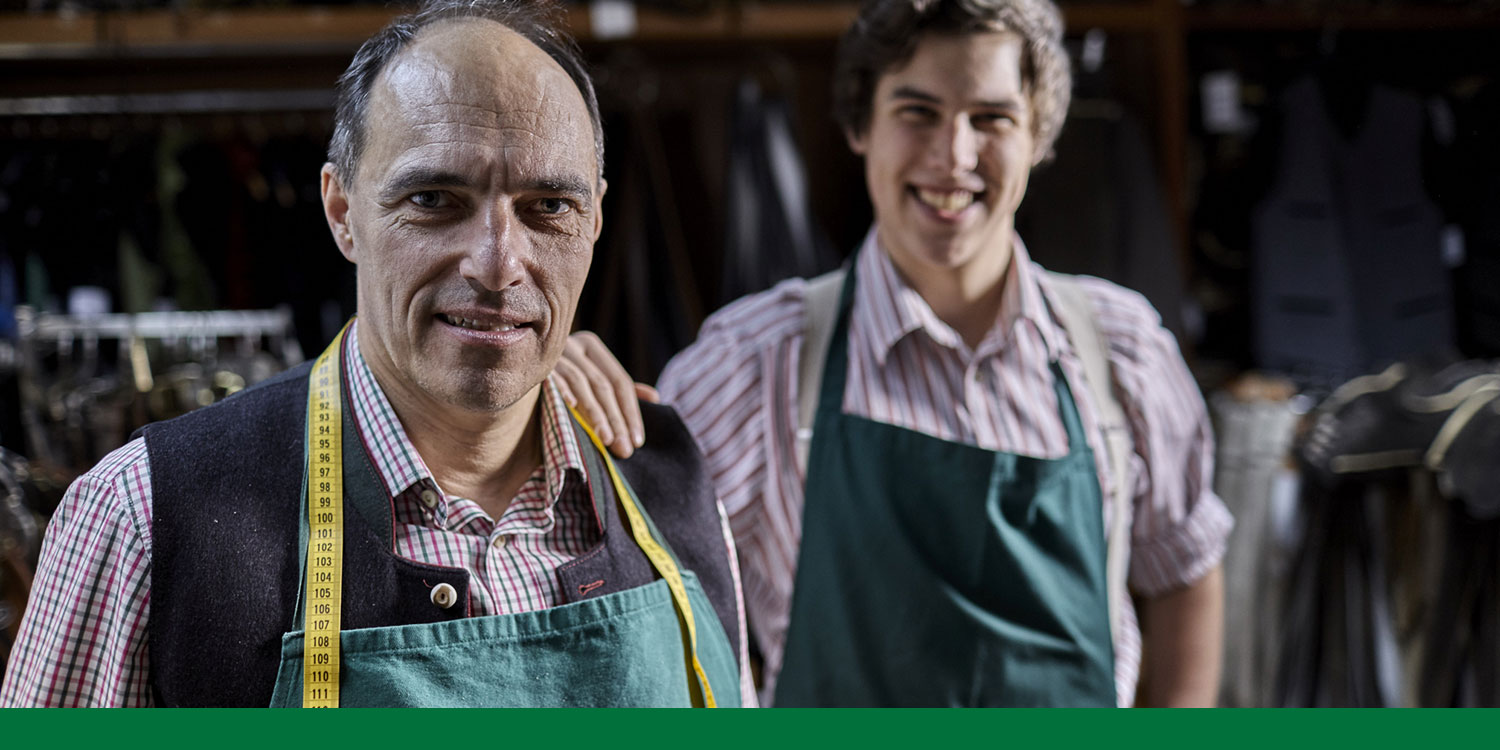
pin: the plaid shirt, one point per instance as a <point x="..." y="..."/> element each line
<point x="736" y="388"/>
<point x="84" y="638"/>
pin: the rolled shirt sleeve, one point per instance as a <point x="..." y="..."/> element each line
<point x="1180" y="528"/>
<point x="83" y="639"/>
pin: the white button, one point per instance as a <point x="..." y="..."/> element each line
<point x="443" y="595"/>
<point x="429" y="498"/>
<point x="500" y="542"/>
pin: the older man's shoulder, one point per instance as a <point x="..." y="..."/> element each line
<point x="267" y="406"/>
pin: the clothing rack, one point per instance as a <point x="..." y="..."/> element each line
<point x="157" y="325"/>
<point x="181" y="102"/>
<point x="86" y="381"/>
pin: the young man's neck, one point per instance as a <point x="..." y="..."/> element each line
<point x="482" y="456"/>
<point x="968" y="298"/>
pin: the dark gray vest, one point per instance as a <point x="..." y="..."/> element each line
<point x="226" y="494"/>
<point x="1347" y="266"/>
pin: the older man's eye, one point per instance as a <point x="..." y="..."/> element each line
<point x="553" y="206"/>
<point x="428" y="199"/>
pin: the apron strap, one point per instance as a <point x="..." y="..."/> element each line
<point x="820" y="312"/>
<point x="1075" y="311"/>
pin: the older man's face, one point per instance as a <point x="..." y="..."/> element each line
<point x="472" y="217"/>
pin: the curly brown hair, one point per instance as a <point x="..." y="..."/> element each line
<point x="886" y="33"/>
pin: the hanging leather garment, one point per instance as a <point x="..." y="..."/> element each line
<point x="1472" y="197"/>
<point x="1099" y="209"/>
<point x="770" y="234"/>
<point x="1347" y="274"/>
<point x="1366" y="622"/>
<point x="643" y="301"/>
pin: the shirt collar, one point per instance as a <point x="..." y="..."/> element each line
<point x="402" y="469"/>
<point x="890" y="309"/>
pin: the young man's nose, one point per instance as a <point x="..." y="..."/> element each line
<point x="956" y="146"/>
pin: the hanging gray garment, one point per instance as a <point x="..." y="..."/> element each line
<point x="1346" y="272"/>
<point x="1254" y="443"/>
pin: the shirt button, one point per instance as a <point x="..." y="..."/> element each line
<point x="429" y="498"/>
<point x="444" y="595"/>
<point x="500" y="542"/>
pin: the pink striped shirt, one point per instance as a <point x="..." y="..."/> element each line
<point x="84" y="640"/>
<point x="736" y="388"/>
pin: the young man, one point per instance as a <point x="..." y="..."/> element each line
<point x="949" y="542"/>
<point x="465" y="180"/>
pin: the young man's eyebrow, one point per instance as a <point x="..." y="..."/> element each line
<point x="911" y="92"/>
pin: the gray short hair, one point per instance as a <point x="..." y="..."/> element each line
<point x="537" y="21"/>
<point x="886" y="33"/>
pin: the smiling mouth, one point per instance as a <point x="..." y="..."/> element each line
<point x="475" y="325"/>
<point x="947" y="201"/>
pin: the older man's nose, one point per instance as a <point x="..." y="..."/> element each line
<point x="493" y="259"/>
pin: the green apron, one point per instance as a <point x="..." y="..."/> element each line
<point x="623" y="649"/>
<point x="933" y="573"/>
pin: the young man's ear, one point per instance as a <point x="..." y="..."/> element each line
<point x="857" y="141"/>
<point x="336" y="210"/>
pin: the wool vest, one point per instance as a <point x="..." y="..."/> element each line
<point x="1347" y="264"/>
<point x="227" y="491"/>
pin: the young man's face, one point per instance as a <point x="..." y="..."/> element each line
<point x="472" y="217"/>
<point x="947" y="152"/>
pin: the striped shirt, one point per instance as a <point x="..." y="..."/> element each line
<point x="84" y="638"/>
<point x="736" y="388"/>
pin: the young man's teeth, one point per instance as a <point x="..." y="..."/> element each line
<point x="956" y="200"/>
<point x="474" y="325"/>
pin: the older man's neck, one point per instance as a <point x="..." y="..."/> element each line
<point x="484" y="457"/>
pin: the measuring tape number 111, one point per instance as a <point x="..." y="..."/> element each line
<point x="325" y="539"/>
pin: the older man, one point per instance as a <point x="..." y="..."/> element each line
<point x="995" y="450"/>
<point x="400" y="523"/>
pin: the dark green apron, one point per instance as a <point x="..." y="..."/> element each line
<point x="933" y="573"/>
<point x="623" y="649"/>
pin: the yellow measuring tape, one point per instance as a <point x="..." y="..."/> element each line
<point x="660" y="559"/>
<point x="325" y="539"/>
<point x="325" y="544"/>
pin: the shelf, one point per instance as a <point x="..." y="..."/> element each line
<point x="319" y="30"/>
<point x="1377" y="18"/>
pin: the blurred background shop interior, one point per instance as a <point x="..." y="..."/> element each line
<point x="1307" y="190"/>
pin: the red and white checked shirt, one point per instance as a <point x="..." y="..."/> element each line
<point x="84" y="638"/>
<point x="736" y="388"/>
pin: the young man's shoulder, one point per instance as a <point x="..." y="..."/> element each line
<point x="1114" y="305"/>
<point x="761" y="319"/>
<point x="735" y="342"/>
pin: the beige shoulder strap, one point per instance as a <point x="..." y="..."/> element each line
<point x="821" y="307"/>
<point x="1076" y="313"/>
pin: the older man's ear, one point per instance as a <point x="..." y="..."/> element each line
<point x="599" y="208"/>
<point x="336" y="210"/>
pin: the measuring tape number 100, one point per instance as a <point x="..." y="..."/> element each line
<point x="325" y="541"/>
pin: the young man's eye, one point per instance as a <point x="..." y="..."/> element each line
<point x="993" y="119"/>
<point x="917" y="113"/>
